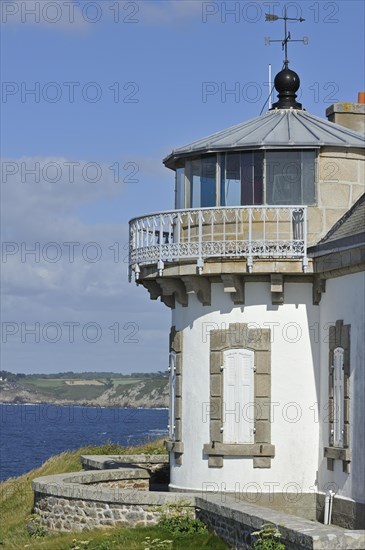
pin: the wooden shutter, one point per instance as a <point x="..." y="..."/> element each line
<point x="238" y="396"/>
<point x="172" y="393"/>
<point x="338" y="397"/>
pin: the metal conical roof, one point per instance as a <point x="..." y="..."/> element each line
<point x="277" y="129"/>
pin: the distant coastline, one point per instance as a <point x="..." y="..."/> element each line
<point x="83" y="404"/>
<point x="105" y="390"/>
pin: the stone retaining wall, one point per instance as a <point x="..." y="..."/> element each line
<point x="62" y="514"/>
<point x="85" y="500"/>
<point x="235" y="522"/>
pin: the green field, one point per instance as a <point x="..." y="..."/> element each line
<point x="44" y="383"/>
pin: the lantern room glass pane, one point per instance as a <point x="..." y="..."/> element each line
<point x="290" y="177"/>
<point x="180" y="189"/>
<point x="231" y="180"/>
<point x="252" y="177"/>
<point x="201" y="175"/>
<point x="208" y="181"/>
<point x="308" y="177"/>
<point x="242" y="178"/>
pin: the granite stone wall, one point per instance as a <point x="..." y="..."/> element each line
<point x="102" y="498"/>
<point x="64" y="514"/>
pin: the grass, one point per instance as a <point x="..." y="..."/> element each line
<point x="43" y="383"/>
<point x="16" y="502"/>
<point x="123" y="538"/>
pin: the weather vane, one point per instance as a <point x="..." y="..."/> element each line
<point x="288" y="38"/>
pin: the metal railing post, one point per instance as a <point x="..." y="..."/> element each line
<point x="160" y="264"/>
<point x="200" y="262"/>
<point x="305" y="236"/>
<point x="249" y="258"/>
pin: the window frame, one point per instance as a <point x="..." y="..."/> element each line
<point x="262" y="165"/>
<point x="339" y="339"/>
<point x="172" y="396"/>
<point x="266" y="171"/>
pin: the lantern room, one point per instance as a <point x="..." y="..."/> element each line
<point x="246" y="178"/>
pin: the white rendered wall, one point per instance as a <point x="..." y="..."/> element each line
<point x="344" y="299"/>
<point x="294" y="390"/>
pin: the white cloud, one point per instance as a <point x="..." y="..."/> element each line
<point x="164" y="12"/>
<point x="85" y="282"/>
<point x="82" y="15"/>
<point x="62" y="14"/>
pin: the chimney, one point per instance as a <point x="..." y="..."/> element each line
<point x="350" y="115"/>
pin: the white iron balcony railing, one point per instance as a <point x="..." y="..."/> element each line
<point x="230" y="232"/>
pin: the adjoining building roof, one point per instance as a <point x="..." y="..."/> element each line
<point x="277" y="129"/>
<point x="352" y="223"/>
<point x="348" y="231"/>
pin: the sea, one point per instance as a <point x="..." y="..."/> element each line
<point x="29" y="434"/>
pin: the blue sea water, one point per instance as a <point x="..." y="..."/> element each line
<point x="32" y="433"/>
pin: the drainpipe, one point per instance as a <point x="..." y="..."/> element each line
<point x="328" y="504"/>
<point x="332" y="494"/>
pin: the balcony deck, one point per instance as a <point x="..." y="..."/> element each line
<point x="224" y="233"/>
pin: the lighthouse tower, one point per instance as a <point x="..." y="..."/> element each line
<point x="254" y="405"/>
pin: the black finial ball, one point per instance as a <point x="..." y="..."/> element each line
<point x="287" y="81"/>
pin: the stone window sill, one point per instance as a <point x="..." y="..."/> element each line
<point x="250" y="450"/>
<point x="337" y="453"/>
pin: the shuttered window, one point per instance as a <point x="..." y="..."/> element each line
<point x="172" y="403"/>
<point x="338" y="397"/>
<point x="238" y="396"/>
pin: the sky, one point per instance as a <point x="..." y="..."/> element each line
<point x="94" y="94"/>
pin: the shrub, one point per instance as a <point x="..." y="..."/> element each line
<point x="35" y="527"/>
<point x="180" y="521"/>
<point x="268" y="538"/>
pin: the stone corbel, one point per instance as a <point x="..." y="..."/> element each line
<point x="153" y="288"/>
<point x="236" y="286"/>
<point x="174" y="287"/>
<point x="277" y="288"/>
<point x="169" y="301"/>
<point x="319" y="286"/>
<point x="201" y="286"/>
